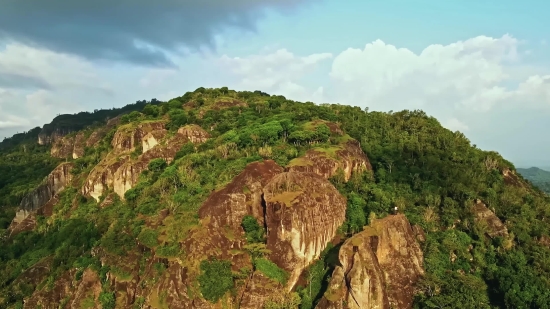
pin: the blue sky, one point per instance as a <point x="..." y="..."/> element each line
<point x="481" y="67"/>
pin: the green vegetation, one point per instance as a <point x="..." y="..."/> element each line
<point x="537" y="176"/>
<point x="271" y="270"/>
<point x="432" y="175"/>
<point x="216" y="279"/>
<point x="254" y="232"/>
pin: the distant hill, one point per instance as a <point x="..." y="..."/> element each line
<point x="539" y="177"/>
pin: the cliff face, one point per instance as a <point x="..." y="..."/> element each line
<point x="243" y="196"/>
<point x="120" y="172"/>
<point x="380" y="266"/>
<point x="347" y="157"/>
<point x="69" y="146"/>
<point x="74" y="145"/>
<point x="47" y="137"/>
<point x="220" y="235"/>
<point x="56" y="181"/>
<point x="303" y="213"/>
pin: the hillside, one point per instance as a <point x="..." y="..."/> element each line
<point x="225" y="199"/>
<point x="538" y="177"/>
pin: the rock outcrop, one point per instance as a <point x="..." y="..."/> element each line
<point x="194" y="133"/>
<point x="303" y="214"/>
<point x="510" y="178"/>
<point x="220" y="235"/>
<point x="243" y="196"/>
<point x="495" y="227"/>
<point x="66" y="289"/>
<point x="120" y="171"/>
<point x="74" y="145"/>
<point x="49" y="136"/>
<point x="326" y="162"/>
<point x="379" y="268"/>
<point x="69" y="146"/>
<point x="43" y="195"/>
<point x="129" y="136"/>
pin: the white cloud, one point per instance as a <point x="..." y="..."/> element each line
<point x="482" y="86"/>
<point x="455" y="125"/>
<point x="37" y="84"/>
<point x="276" y="72"/>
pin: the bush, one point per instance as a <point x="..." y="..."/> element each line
<point x="157" y="165"/>
<point x="178" y="118"/>
<point x="107" y="300"/>
<point x="254" y="232"/>
<point x="215" y="279"/>
<point x="151" y="110"/>
<point x="148" y="238"/>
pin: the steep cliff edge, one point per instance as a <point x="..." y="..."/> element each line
<point x="379" y="267"/>
<point x="56" y="181"/>
<point x="303" y="214"/>
<point x="73" y="145"/>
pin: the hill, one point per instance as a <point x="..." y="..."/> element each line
<point x="225" y="199"/>
<point x="538" y="177"/>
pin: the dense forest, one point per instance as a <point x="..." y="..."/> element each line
<point x="538" y="177"/>
<point x="432" y="174"/>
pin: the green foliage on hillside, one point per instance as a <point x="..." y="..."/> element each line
<point x="216" y="279"/>
<point x="537" y="176"/>
<point x="432" y="175"/>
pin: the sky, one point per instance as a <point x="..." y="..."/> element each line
<point x="479" y="67"/>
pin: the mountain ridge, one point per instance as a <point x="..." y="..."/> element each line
<point x="221" y="198"/>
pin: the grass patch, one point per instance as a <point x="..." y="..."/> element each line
<point x="271" y="270"/>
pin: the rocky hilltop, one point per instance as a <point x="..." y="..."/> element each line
<point x="224" y="199"/>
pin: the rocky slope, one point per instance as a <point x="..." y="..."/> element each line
<point x="119" y="172"/>
<point x="379" y="267"/>
<point x="42" y="199"/>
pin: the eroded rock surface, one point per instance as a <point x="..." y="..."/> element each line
<point x="43" y="195"/>
<point x="303" y="213"/>
<point x="326" y="162"/>
<point x="380" y="266"/>
<point x="49" y="136"/>
<point x="495" y="227"/>
<point x="241" y="197"/>
<point x="194" y="133"/>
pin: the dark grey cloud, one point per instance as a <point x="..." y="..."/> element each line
<point x="105" y="29"/>
<point x="18" y="81"/>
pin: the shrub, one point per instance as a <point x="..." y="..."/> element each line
<point x="253" y="231"/>
<point x="215" y="279"/>
<point x="107" y="300"/>
<point x="157" y="165"/>
<point x="148" y="238"/>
